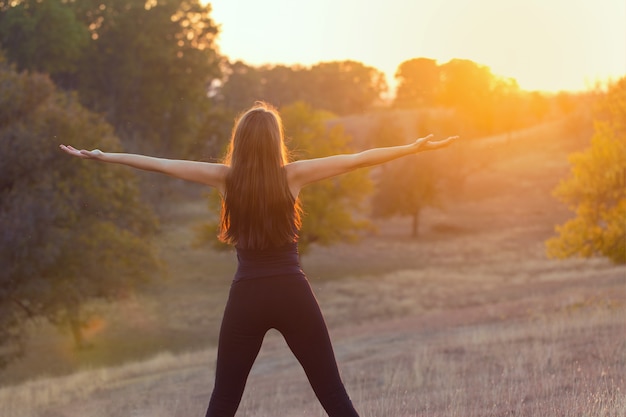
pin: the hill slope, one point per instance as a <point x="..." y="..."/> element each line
<point x="471" y="319"/>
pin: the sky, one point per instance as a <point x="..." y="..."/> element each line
<point x="548" y="45"/>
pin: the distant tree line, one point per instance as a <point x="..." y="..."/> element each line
<point x="340" y="87"/>
<point x="484" y="103"/>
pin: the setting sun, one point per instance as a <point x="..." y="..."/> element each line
<point x="546" y="45"/>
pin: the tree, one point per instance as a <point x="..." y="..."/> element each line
<point x="406" y="186"/>
<point x="485" y="103"/>
<point x="148" y="68"/>
<point x="333" y="209"/>
<point x="538" y="106"/>
<point x="419" y="82"/>
<point x="468" y="87"/>
<point x="596" y="189"/>
<point x="344" y="87"/>
<point x="340" y="87"/>
<point x="283" y="85"/>
<point x="70" y="231"/>
<point x="44" y="36"/>
<point x="277" y="84"/>
<point x="241" y="88"/>
<point x="507" y="105"/>
<point x="146" y="65"/>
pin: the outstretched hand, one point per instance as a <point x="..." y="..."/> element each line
<point x="426" y="143"/>
<point x="83" y="153"/>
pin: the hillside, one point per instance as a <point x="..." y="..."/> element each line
<point x="470" y="319"/>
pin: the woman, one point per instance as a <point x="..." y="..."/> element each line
<point x="261" y="217"/>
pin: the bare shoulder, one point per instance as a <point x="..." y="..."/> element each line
<point x="293" y="171"/>
<point x="292" y="168"/>
<point x="220" y="172"/>
<point x="297" y="171"/>
<point x="208" y="173"/>
<point x="307" y="171"/>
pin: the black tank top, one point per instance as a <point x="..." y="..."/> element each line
<point x="276" y="261"/>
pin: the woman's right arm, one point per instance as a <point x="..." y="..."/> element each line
<point x="206" y="173"/>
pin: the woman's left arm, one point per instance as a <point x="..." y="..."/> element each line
<point x="203" y="172"/>
<point x="307" y="171"/>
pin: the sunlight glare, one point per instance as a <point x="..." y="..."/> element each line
<point x="555" y="45"/>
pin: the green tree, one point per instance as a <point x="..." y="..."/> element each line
<point x="344" y="87"/>
<point x="406" y="186"/>
<point x="148" y="68"/>
<point x="596" y="189"/>
<point x="44" y="36"/>
<point x="278" y="84"/>
<point x="146" y="65"/>
<point x="340" y="87"/>
<point x="70" y="231"/>
<point x="241" y="87"/>
<point x="333" y="208"/>
<point x="283" y="85"/>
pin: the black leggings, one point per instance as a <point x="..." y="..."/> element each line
<point x="288" y="305"/>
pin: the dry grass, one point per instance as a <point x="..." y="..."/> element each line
<point x="469" y="320"/>
<point x="567" y="363"/>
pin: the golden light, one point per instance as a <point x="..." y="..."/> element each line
<point x="545" y="45"/>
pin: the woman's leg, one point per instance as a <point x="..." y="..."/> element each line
<point x="241" y="336"/>
<point x="306" y="334"/>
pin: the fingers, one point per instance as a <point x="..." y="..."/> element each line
<point x="424" y="139"/>
<point x="448" y="139"/>
<point x="67" y="149"/>
<point x="426" y="143"/>
<point x="442" y="142"/>
<point x="75" y="152"/>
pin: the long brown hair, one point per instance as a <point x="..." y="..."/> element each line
<point x="258" y="209"/>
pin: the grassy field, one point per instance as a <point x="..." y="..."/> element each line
<point x="470" y="319"/>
